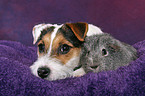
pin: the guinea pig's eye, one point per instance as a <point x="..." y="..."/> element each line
<point x="64" y="49"/>
<point x="41" y="47"/>
<point x="104" y="52"/>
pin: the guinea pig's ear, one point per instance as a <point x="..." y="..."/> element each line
<point x="113" y="47"/>
<point x="79" y="29"/>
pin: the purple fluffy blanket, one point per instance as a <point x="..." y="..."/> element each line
<point x="16" y="78"/>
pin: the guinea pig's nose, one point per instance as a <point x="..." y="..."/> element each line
<point x="43" y="72"/>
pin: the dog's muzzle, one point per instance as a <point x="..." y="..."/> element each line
<point x="43" y="72"/>
<point x="53" y="70"/>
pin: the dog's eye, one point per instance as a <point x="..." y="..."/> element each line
<point x="63" y="49"/>
<point x="104" y="52"/>
<point x="41" y="48"/>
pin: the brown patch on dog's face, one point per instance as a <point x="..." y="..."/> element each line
<point x="43" y="45"/>
<point x="59" y="45"/>
<point x="74" y="52"/>
<point x="65" y="45"/>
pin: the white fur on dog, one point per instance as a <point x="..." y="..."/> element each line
<point x="37" y="30"/>
<point x="93" y="30"/>
<point x="58" y="70"/>
<point x="53" y="36"/>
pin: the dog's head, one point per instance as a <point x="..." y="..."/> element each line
<point x="59" y="48"/>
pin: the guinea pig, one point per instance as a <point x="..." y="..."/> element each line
<point x="103" y="52"/>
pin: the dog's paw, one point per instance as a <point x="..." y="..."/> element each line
<point x="79" y="72"/>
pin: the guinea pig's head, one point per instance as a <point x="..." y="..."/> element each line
<point x="103" y="52"/>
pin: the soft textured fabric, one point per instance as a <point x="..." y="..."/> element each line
<point x="16" y="78"/>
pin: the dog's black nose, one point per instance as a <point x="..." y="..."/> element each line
<point x="43" y="72"/>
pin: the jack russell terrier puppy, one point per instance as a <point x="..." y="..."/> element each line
<point x="59" y="48"/>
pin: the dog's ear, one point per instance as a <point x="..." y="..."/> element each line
<point x="37" y="29"/>
<point x="80" y="29"/>
<point x="36" y="32"/>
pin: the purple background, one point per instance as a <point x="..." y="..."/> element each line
<point x="124" y="19"/>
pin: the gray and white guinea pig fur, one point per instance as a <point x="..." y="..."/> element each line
<point x="103" y="52"/>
